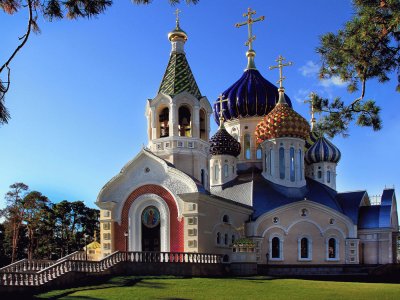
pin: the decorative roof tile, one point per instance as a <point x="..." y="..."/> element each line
<point x="222" y="143"/>
<point x="282" y="121"/>
<point x="178" y="77"/>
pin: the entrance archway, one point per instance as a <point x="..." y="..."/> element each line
<point x="136" y="227"/>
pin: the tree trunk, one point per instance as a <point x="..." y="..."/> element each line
<point x="15" y="239"/>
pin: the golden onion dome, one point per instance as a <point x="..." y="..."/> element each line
<point x="282" y="121"/>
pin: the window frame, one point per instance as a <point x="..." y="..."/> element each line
<point x="337" y="248"/>
<point x="280" y="238"/>
<point x="309" y="248"/>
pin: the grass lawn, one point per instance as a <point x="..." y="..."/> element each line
<point x="131" y="287"/>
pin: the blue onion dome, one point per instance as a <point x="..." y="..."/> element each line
<point x="322" y="151"/>
<point x="222" y="143"/>
<point x="252" y="95"/>
<point x="312" y="138"/>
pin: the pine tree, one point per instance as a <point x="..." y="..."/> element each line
<point x="366" y="48"/>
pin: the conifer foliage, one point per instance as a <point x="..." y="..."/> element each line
<point x="32" y="227"/>
<point x="366" y="48"/>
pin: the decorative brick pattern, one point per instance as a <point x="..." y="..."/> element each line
<point x="176" y="226"/>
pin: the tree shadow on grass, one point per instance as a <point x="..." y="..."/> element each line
<point x="109" y="283"/>
<point x="112" y="282"/>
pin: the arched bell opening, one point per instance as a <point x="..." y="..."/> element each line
<point x="185" y="121"/>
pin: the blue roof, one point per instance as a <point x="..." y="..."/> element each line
<point x="375" y="216"/>
<point x="387" y="197"/>
<point x="350" y="203"/>
<point x="268" y="196"/>
<point x="252" y="95"/>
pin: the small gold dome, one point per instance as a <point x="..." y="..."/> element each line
<point x="177" y="34"/>
<point x="282" y="121"/>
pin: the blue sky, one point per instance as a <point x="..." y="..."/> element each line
<point x="79" y="88"/>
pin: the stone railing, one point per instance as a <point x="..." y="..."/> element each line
<point x="16" y="275"/>
<point x="77" y="255"/>
<point x="58" y="269"/>
<point x="26" y="265"/>
<point x="172" y="257"/>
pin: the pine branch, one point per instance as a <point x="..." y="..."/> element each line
<point x="24" y="37"/>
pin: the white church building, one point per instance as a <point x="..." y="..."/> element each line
<point x="265" y="175"/>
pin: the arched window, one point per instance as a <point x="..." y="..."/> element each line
<point x="233" y="170"/>
<point x="332" y="249"/>
<point x="225" y="219"/>
<point x="259" y="152"/>
<point x="202" y="177"/>
<point x="281" y="163"/>
<point x="226" y="239"/>
<point x="226" y="170"/>
<point x="218" y="238"/>
<point x="275" y="248"/>
<point x="185" y="122"/>
<point x="319" y="174"/>
<point x="300" y="164"/>
<point x="304" y="249"/>
<point x="163" y="120"/>
<point x="216" y="172"/>
<point x="328" y="176"/>
<point x="247" y="151"/>
<point x="292" y="176"/>
<point x="203" y="125"/>
<point x="271" y="162"/>
<point x="233" y="238"/>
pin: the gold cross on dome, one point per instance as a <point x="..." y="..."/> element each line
<point x="249" y="23"/>
<point x="221" y="110"/>
<point x="311" y="102"/>
<point x="280" y="67"/>
<point x="177" y="12"/>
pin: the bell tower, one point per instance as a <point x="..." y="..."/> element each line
<point x="178" y="117"/>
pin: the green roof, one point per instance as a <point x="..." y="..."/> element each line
<point x="178" y="77"/>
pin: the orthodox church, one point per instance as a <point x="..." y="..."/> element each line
<point x="264" y="176"/>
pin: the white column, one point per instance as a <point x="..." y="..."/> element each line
<point x="153" y="124"/>
<point x="173" y="120"/>
<point x="196" y="122"/>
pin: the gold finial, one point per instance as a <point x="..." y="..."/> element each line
<point x="311" y="101"/>
<point x="280" y="66"/>
<point x="221" y="110"/>
<point x="177" y="12"/>
<point x="249" y="23"/>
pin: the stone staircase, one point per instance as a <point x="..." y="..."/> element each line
<point x="39" y="272"/>
<point x="36" y="273"/>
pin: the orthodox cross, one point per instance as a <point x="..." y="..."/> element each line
<point x="280" y="66"/>
<point x="221" y="110"/>
<point x="311" y="101"/>
<point x="177" y="12"/>
<point x="249" y="23"/>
